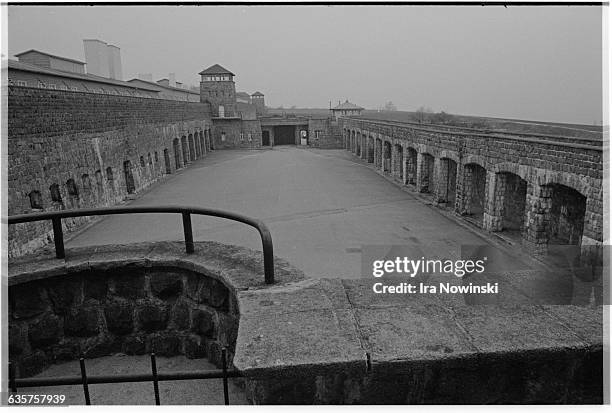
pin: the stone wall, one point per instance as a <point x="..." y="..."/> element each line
<point x="70" y="150"/>
<point x="168" y="311"/>
<point x="553" y="175"/>
<point x="329" y="133"/>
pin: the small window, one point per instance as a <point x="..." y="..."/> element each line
<point x="72" y="188"/>
<point x="35" y="200"/>
<point x="221" y="111"/>
<point x="22" y="83"/>
<point x="86" y="182"/>
<point x="250" y="137"/>
<point x="156" y="157"/>
<point x="41" y="85"/>
<point x="55" y="193"/>
<point x="318" y="134"/>
<point x="142" y="162"/>
<point x="223" y="136"/>
<point x="149" y="159"/>
<point x="51" y="86"/>
<point x="109" y="175"/>
<point x="241" y="136"/>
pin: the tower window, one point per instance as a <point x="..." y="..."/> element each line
<point x="221" y="111"/>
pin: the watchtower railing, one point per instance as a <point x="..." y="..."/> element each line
<point x="58" y="235"/>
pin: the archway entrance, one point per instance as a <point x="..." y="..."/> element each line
<point x="177" y="155"/>
<point x="427" y="171"/>
<point x="474" y="185"/>
<point x="130" y="187"/>
<point x="284" y="135"/>
<point x="448" y="182"/>
<point x="167" y="161"/>
<point x="511" y="189"/>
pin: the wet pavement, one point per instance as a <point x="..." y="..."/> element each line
<point x="322" y="207"/>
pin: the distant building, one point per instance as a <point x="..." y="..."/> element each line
<point x="49" y="61"/>
<point x="29" y="75"/>
<point x="346" y="109"/>
<point x="168" y="92"/>
<point x="217" y="87"/>
<point x="258" y="100"/>
<point x="243" y="97"/>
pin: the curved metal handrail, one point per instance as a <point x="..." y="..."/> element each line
<point x="186" y="211"/>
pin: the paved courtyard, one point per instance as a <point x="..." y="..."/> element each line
<point x="321" y="206"/>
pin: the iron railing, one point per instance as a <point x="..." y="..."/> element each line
<point x="155" y="377"/>
<point x="58" y="236"/>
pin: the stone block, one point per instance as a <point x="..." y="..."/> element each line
<point x="119" y="315"/>
<point x="95" y="285"/>
<point x="46" y="331"/>
<point x="134" y="345"/>
<point x="18" y="339"/>
<point x="27" y="301"/>
<point x="195" y="347"/>
<point x="165" y="284"/>
<point x="203" y="322"/>
<point x="152" y="315"/>
<point x="64" y="293"/>
<point x="130" y="285"/>
<point x="179" y="315"/>
<point x="83" y="321"/>
<point x="100" y="346"/>
<point x="33" y="364"/>
<point x="165" y="344"/>
<point x="67" y="349"/>
<point x="214" y="292"/>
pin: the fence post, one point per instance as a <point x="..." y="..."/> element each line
<point x="155" y="380"/>
<point x="84" y="378"/>
<point x="224" y="365"/>
<point x="188" y="232"/>
<point x="58" y="237"/>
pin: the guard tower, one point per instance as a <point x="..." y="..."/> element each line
<point x="257" y="99"/>
<point x="218" y="88"/>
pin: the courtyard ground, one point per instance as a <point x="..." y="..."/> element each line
<point x="321" y="207"/>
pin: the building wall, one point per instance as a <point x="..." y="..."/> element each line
<point x="236" y="133"/>
<point x="550" y="169"/>
<point x="82" y="142"/>
<point x="330" y="136"/>
<point x="41" y="80"/>
<point x="66" y="66"/>
<point x="219" y="93"/>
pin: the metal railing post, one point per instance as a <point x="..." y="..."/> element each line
<point x="224" y="366"/>
<point x="58" y="237"/>
<point x="155" y="380"/>
<point x="84" y="379"/>
<point x="188" y="232"/>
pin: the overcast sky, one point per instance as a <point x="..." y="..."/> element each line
<point x="541" y="63"/>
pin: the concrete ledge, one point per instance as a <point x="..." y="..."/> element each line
<point x="334" y="341"/>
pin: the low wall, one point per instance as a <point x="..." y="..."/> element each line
<point x="303" y="341"/>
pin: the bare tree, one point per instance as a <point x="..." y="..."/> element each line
<point x="390" y="107"/>
<point x="423" y="114"/>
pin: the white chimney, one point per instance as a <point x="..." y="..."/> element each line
<point x="172" y="79"/>
<point x="114" y="62"/>
<point x="96" y="57"/>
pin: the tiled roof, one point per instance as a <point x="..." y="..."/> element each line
<point x="15" y="65"/>
<point x="216" y="70"/>
<point x="50" y="55"/>
<point x="347" y="106"/>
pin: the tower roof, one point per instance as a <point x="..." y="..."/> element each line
<point x="347" y="105"/>
<point x="216" y="70"/>
<point x="257" y="94"/>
